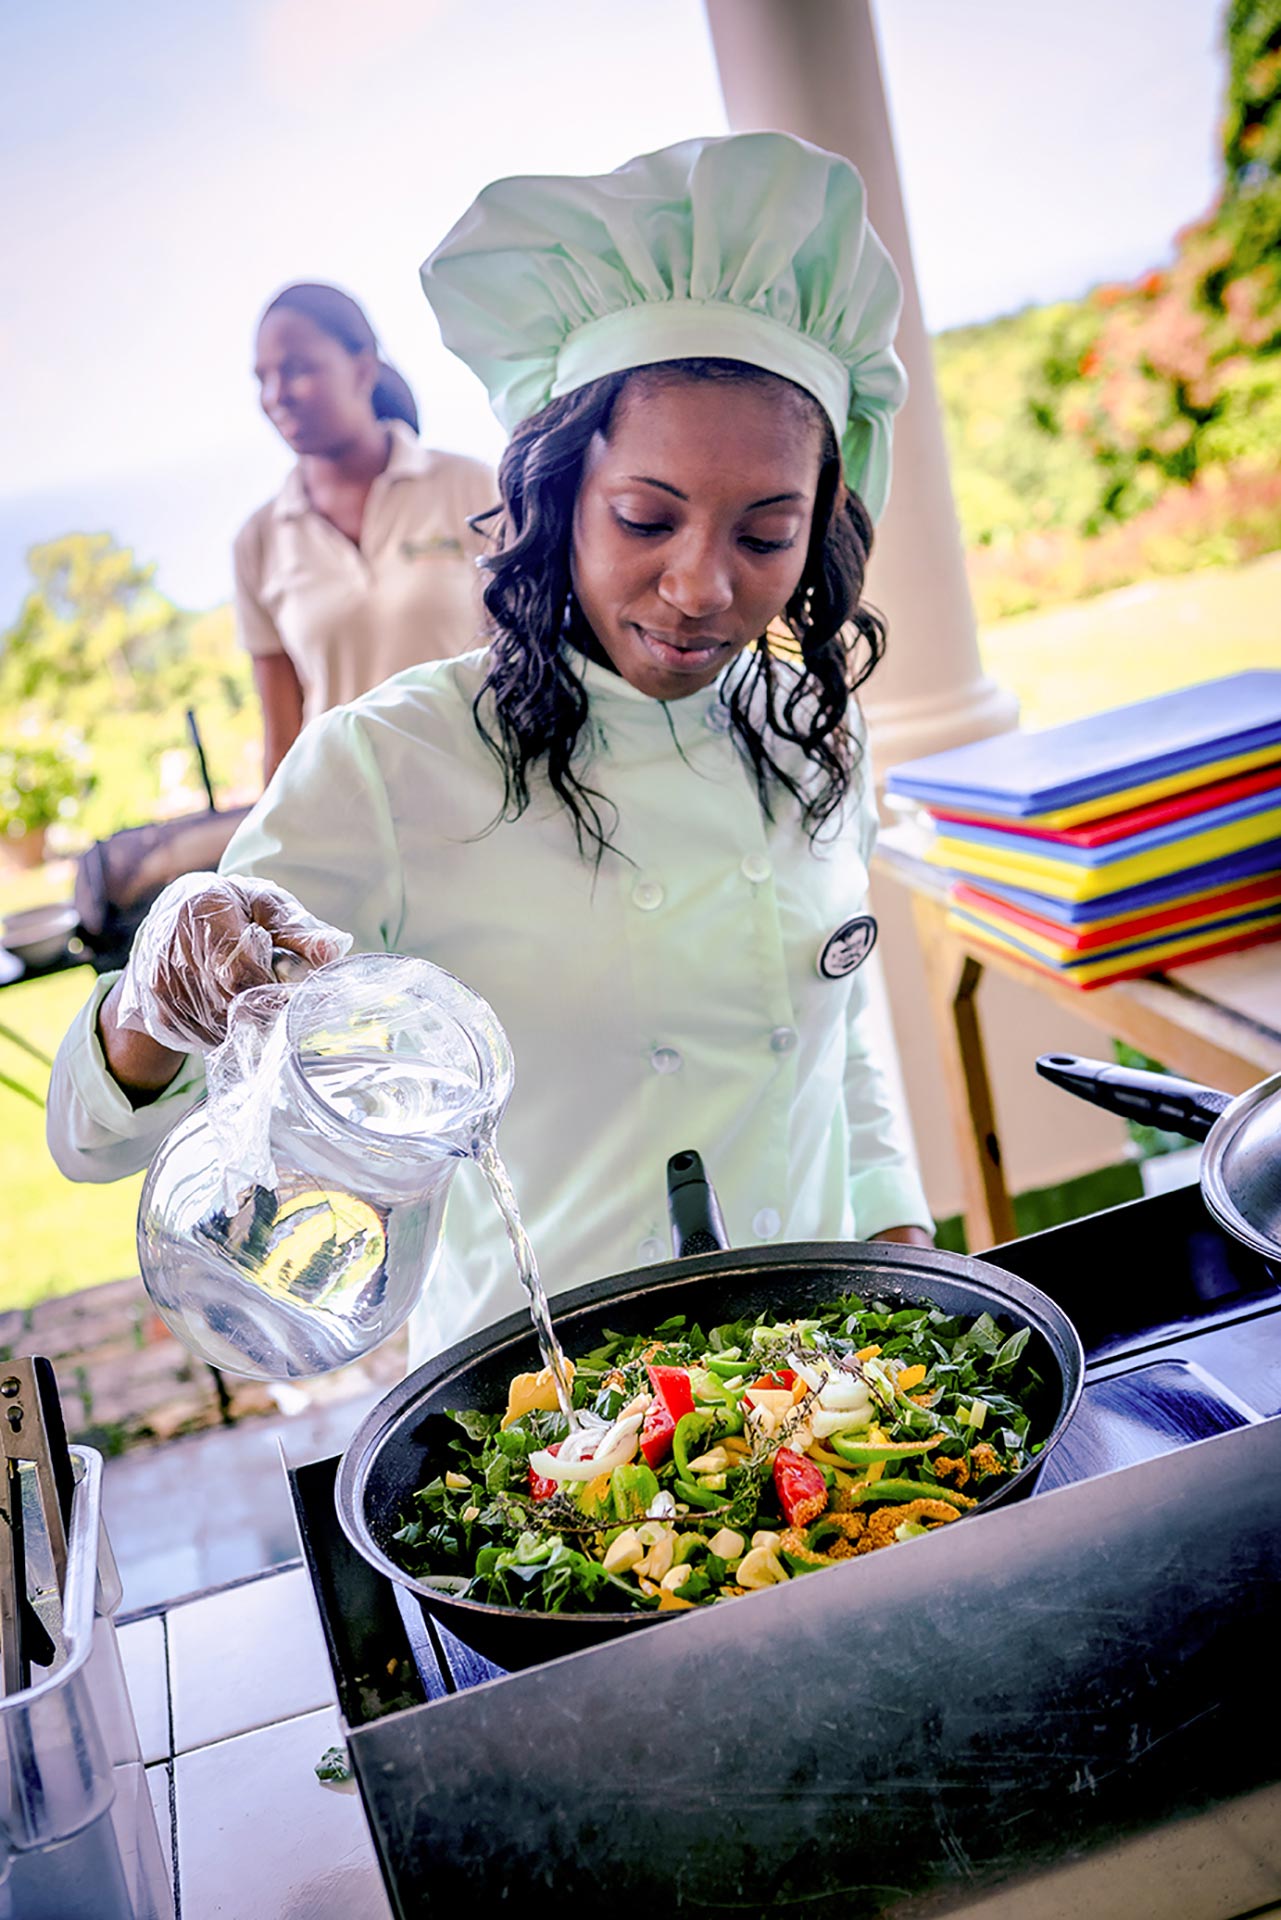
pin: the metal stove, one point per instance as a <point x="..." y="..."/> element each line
<point x="1058" y="1709"/>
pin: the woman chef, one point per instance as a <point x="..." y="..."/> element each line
<point x="636" y="826"/>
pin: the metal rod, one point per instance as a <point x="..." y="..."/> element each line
<point x="13" y="1584"/>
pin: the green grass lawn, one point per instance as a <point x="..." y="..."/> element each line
<point x="55" y="1236"/>
<point x="1138" y="641"/>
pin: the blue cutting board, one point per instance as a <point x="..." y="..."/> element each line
<point x="1029" y="773"/>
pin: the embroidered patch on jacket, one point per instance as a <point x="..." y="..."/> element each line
<point x="847" y="948"/>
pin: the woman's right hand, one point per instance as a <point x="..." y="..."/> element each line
<point x="207" y="938"/>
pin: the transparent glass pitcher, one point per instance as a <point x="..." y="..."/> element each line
<point x="290" y="1223"/>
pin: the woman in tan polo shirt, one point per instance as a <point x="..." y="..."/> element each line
<point x="364" y="563"/>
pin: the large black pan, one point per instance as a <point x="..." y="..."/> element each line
<point x="1241" y="1160"/>
<point x="400" y="1444"/>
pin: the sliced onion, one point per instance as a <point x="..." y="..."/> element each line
<point x="825" y="1424"/>
<point x="616" y="1447"/>
<point x="842" y="1394"/>
<point x="585" y="1439"/>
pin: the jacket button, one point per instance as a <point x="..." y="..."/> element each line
<point x="782" y="1040"/>
<point x="665" y="1060"/>
<point x="756" y="868"/>
<point x="766" y="1223"/>
<point x="649" y="1251"/>
<point x="647" y="894"/>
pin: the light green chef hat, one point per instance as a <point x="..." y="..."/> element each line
<point x="753" y="247"/>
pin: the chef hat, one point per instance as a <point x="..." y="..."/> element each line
<point x="752" y="247"/>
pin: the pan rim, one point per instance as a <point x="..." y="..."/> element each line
<point x="1216" y="1189"/>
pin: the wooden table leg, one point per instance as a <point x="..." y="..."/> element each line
<point x="953" y="977"/>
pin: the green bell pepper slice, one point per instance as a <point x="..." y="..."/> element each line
<point x="694" y="1496"/>
<point x="691" y="1430"/>
<point x="634" y="1489"/>
<point x="860" y="1455"/>
<point x="729" y="1369"/>
<point x="866" y="1492"/>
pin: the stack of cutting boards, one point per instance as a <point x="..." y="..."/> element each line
<point x="1121" y="844"/>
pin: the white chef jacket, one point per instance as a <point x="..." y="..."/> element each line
<point x="670" y="1000"/>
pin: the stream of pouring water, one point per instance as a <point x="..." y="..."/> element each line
<point x="500" y="1186"/>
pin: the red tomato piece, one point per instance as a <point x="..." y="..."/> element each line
<point x="540" y="1486"/>
<point x="802" y="1490"/>
<point x="672" y="1386"/>
<point x="656" y="1433"/>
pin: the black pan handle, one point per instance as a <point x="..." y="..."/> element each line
<point x="692" y="1207"/>
<point x="1159" y="1099"/>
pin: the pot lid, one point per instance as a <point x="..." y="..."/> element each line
<point x="1241" y="1169"/>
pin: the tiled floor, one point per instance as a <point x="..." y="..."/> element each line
<point x="226" y="1670"/>
<point x="142" y="1649"/>
<point x="230" y="1683"/>
<point x="234" y="1704"/>
<point x="160" y="1786"/>
<point x="260" y="1838"/>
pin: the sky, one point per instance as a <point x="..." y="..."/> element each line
<point x="165" y="169"/>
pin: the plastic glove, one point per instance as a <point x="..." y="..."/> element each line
<point x="208" y="937"/>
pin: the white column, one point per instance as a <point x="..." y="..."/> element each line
<point x="810" y="67"/>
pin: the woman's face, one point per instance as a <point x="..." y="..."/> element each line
<point x="692" y="524"/>
<point x="315" y="394"/>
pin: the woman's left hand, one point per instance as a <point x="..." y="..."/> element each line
<point x="910" y="1236"/>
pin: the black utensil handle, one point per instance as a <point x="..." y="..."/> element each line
<point x="692" y="1207"/>
<point x="1158" y="1099"/>
<point x="203" y="764"/>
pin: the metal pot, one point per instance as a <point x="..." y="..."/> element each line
<point x="399" y="1446"/>
<point x="1241" y="1163"/>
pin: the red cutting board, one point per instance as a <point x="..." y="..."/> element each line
<point x="1132" y="969"/>
<point x="1115" y="826"/>
<point x="1119" y="933"/>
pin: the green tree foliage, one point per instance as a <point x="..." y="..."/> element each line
<point x="1179" y="373"/>
<point x="93" y="635"/>
<point x="40" y="784"/>
<point x="1252" y="144"/>
<point x="97" y="655"/>
<point x="1010" y="477"/>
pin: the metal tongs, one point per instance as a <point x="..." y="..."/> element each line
<point x="32" y="1434"/>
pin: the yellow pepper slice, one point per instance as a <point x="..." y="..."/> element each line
<point x="534" y="1393"/>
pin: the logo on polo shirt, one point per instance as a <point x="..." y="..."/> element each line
<point x="438" y="543"/>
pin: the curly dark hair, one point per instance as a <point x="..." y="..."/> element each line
<point x="536" y="700"/>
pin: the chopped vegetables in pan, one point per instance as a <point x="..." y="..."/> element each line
<point x="711" y="1465"/>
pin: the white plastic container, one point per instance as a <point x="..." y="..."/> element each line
<point x="78" y="1838"/>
